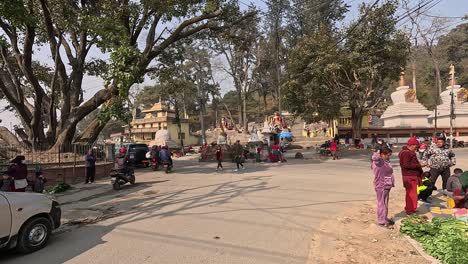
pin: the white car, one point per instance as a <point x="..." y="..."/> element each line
<point x="27" y="220"/>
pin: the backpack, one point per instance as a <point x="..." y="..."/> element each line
<point x="464" y="179"/>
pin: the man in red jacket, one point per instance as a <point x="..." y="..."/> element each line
<point x="411" y="169"/>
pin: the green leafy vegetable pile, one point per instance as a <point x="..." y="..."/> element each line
<point x="444" y="238"/>
<point x="61" y="187"/>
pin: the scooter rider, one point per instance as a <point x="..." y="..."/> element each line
<point x="122" y="161"/>
<point x="165" y="155"/>
<point x="154" y="153"/>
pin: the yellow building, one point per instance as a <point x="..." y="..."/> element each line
<point x="344" y="120"/>
<point x="158" y="127"/>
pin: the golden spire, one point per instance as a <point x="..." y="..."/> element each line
<point x="453" y="81"/>
<point x="402" y="79"/>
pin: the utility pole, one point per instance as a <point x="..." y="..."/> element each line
<point x="277" y="62"/>
<point x="452" y="103"/>
<point x="436" y="112"/>
<point x="200" y="94"/>
<point x="413" y="66"/>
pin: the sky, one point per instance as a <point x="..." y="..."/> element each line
<point x="446" y="8"/>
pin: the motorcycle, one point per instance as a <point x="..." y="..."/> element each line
<point x="120" y="177"/>
<point x="167" y="166"/>
<point x="154" y="164"/>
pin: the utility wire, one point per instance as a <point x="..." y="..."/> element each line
<point x="448" y="17"/>
<point x="418" y="11"/>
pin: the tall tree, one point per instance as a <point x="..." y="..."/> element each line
<point x="275" y="37"/>
<point x="198" y="67"/>
<point x="377" y="51"/>
<point x="135" y="34"/>
<point x="306" y="17"/>
<point x="361" y="69"/>
<point x="239" y="46"/>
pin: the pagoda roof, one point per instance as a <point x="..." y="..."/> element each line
<point x="157" y="107"/>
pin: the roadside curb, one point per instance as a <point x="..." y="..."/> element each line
<point x="416" y="245"/>
<point x="420" y="250"/>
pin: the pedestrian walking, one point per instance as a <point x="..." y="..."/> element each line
<point x="439" y="159"/>
<point x="219" y="157"/>
<point x="411" y="169"/>
<point x="334" y="150"/>
<point x="90" y="166"/>
<point x="239" y="152"/>
<point x="258" y="153"/>
<point x="384" y="181"/>
<point x="18" y="173"/>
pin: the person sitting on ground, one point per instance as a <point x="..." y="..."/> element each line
<point x="425" y="188"/>
<point x="275" y="153"/>
<point x="464" y="182"/>
<point x="454" y="186"/>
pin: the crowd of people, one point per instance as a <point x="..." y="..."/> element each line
<point x="241" y="154"/>
<point x="420" y="176"/>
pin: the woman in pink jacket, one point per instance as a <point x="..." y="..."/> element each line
<point x="384" y="181"/>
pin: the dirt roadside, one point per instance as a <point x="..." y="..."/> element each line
<point x="354" y="237"/>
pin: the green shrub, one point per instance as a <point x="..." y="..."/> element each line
<point x="444" y="238"/>
<point x="61" y="187"/>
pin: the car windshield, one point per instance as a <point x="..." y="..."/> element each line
<point x="138" y="147"/>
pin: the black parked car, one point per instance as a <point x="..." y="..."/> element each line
<point x="137" y="154"/>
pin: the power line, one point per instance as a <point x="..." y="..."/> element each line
<point x="448" y="17"/>
<point x="418" y="11"/>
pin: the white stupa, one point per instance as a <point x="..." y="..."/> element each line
<point x="460" y="96"/>
<point x="406" y="111"/>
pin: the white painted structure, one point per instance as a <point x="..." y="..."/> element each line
<point x="460" y="106"/>
<point x="405" y="112"/>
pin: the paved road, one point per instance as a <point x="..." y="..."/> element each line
<point x="266" y="214"/>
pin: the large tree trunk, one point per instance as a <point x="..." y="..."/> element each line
<point x="91" y="133"/>
<point x="179" y="125"/>
<point x="245" y="120"/>
<point x="202" y="123"/>
<point x="240" y="108"/>
<point x="356" y="122"/>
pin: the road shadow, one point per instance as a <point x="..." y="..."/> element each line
<point x="62" y="247"/>
<point x="74" y="242"/>
<point x="109" y="192"/>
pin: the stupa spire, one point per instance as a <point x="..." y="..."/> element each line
<point x="402" y="79"/>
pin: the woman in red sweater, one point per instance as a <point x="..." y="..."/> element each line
<point x="411" y="169"/>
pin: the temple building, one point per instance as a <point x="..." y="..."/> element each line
<point x="158" y="127"/>
<point x="406" y="117"/>
<point x="460" y="98"/>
